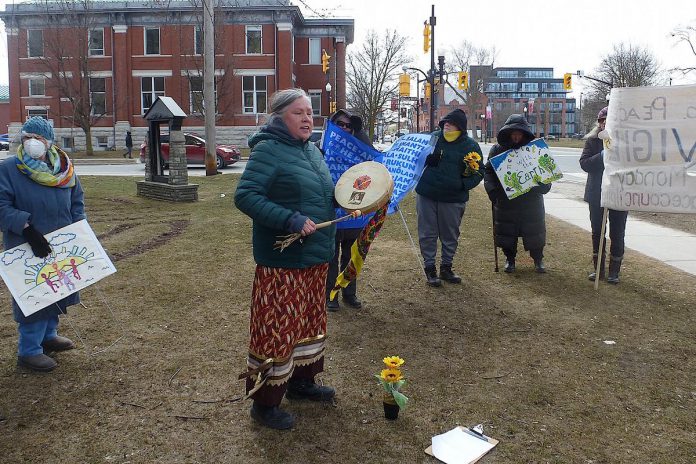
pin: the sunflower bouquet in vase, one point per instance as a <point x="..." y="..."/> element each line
<point x="392" y="380"/>
<point x="472" y="164"/>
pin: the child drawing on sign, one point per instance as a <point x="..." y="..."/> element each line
<point x="74" y="269"/>
<point x="63" y="277"/>
<point x="50" y="283"/>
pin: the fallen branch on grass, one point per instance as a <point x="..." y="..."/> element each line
<point x="172" y="377"/>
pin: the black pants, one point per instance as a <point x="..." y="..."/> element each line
<point x="617" y="229"/>
<point x="344" y="241"/>
<point x="536" y="253"/>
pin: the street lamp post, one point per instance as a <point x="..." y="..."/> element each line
<point x="328" y="93"/>
<point x="526" y="111"/>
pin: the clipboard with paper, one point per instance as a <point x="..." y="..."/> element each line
<point x="461" y="445"/>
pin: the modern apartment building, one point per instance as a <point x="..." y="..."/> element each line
<point x="534" y="92"/>
<point x="119" y="56"/>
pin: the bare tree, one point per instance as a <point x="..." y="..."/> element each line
<point x="372" y="74"/>
<point x="462" y="58"/>
<point x="626" y="65"/>
<point x="687" y="35"/>
<point x="69" y="36"/>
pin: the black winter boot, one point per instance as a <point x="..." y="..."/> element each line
<point x="593" y="274"/>
<point x="272" y="416"/>
<point x="306" y="389"/>
<point x="539" y="266"/>
<point x="431" y="275"/>
<point x="510" y="265"/>
<point x="614" y="269"/>
<point x="448" y="275"/>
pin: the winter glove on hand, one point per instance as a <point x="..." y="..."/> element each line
<point x="39" y="244"/>
<point x="432" y="159"/>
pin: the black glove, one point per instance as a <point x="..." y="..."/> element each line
<point x="39" y="244"/>
<point x="432" y="159"/>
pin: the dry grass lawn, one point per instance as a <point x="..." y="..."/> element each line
<point x="524" y="354"/>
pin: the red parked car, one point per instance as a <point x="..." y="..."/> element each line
<point x="195" y="151"/>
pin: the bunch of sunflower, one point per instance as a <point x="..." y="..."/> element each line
<point x="392" y="379"/>
<point x="471" y="162"/>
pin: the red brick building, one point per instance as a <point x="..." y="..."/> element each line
<point x="132" y="52"/>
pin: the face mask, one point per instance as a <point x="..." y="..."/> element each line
<point x="34" y="148"/>
<point x="451" y="136"/>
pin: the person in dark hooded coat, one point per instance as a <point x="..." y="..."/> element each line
<point x="523" y="216"/>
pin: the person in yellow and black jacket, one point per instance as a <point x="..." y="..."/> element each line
<point x="454" y="168"/>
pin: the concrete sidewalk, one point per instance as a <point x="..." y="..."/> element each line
<point x="673" y="247"/>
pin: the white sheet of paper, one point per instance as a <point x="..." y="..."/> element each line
<point x="459" y="447"/>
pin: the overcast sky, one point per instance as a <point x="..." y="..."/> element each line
<point x="565" y="35"/>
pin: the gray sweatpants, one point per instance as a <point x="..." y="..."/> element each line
<point x="438" y="220"/>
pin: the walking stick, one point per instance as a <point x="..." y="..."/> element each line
<point x="495" y="248"/>
<point x="601" y="247"/>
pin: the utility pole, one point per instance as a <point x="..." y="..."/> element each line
<point x="209" y="87"/>
<point x="433" y="100"/>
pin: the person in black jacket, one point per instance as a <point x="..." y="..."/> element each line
<point x="523" y="216"/>
<point x="129" y="145"/>
<point x="592" y="162"/>
<point x="345" y="235"/>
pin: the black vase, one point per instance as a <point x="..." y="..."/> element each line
<point x="391" y="410"/>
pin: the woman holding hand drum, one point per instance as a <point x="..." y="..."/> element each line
<point x="286" y="188"/>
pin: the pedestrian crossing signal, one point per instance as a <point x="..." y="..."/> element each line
<point x="463" y="80"/>
<point x="568" y="81"/>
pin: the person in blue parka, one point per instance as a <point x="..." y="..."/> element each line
<point x="39" y="193"/>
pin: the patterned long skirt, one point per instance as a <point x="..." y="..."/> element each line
<point x="288" y="329"/>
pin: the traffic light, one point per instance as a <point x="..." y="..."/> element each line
<point x="427" y="90"/>
<point x="568" y="81"/>
<point x="332" y="107"/>
<point x="404" y="85"/>
<point x="463" y="80"/>
<point x="325" y="61"/>
<point x="426" y="36"/>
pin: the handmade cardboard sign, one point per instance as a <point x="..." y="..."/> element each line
<point x="523" y="168"/>
<point x="649" y="147"/>
<point x="77" y="261"/>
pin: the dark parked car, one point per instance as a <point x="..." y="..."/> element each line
<point x="4" y="142"/>
<point x="195" y="151"/>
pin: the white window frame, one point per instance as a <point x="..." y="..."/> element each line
<point x="95" y="51"/>
<point x="29" y="32"/>
<point x="153" y="92"/>
<point x="258" y="28"/>
<point x="315" y="94"/>
<point x="192" y="108"/>
<point x="197" y="30"/>
<point x="31" y="87"/>
<point x="91" y="97"/>
<point x="315" y="40"/>
<point x="159" y="41"/>
<point x="254" y="109"/>
<point x="68" y="143"/>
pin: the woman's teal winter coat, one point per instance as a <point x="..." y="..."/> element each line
<point x="286" y="178"/>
